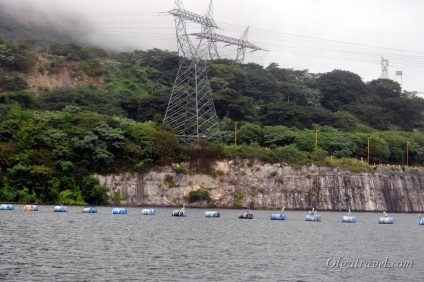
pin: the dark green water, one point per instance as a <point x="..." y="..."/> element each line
<point x="49" y="246"/>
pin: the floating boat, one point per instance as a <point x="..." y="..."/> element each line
<point x="278" y="216"/>
<point x="386" y="219"/>
<point x="349" y="219"/>
<point x="179" y="213"/>
<point x="31" y="208"/>
<point x="60" y="209"/>
<point x="212" y="214"/>
<point x="246" y="215"/>
<point x="119" y="211"/>
<point x="313" y="216"/>
<point x="5" y="207"/>
<point x="89" y="210"/>
<point x="148" y="212"/>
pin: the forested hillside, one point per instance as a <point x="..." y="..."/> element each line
<point x="68" y="112"/>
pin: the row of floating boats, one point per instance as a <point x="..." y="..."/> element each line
<point x="311" y="216"/>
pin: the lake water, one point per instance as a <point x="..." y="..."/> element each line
<point x="49" y="246"/>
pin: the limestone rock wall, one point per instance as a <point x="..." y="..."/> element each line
<point x="265" y="185"/>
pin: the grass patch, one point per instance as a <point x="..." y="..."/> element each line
<point x="170" y="180"/>
<point x="352" y="165"/>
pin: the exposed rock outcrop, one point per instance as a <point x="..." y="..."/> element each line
<point x="265" y="185"/>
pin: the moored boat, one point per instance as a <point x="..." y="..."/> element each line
<point x="31" y="208"/>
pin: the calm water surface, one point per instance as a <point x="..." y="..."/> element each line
<point x="49" y="246"/>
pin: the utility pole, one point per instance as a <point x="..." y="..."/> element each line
<point x="316" y="139"/>
<point x="235" y="133"/>
<point x="368" y="151"/>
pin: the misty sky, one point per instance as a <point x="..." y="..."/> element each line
<point x="319" y="35"/>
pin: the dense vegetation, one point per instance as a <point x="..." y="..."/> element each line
<point x="53" y="141"/>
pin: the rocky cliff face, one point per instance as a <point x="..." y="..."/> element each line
<point x="264" y="185"/>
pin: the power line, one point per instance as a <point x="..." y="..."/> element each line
<point x="274" y="41"/>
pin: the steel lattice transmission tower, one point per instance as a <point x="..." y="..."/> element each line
<point x="384" y="68"/>
<point x="242" y="43"/>
<point x="213" y="48"/>
<point x="191" y="111"/>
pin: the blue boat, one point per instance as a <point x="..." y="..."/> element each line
<point x="148" y="212"/>
<point x="278" y="216"/>
<point x="212" y="214"/>
<point x="386" y="219"/>
<point x="349" y="219"/>
<point x="313" y="216"/>
<point x="5" y="207"/>
<point x="89" y="210"/>
<point x="119" y="211"/>
<point x="60" y="209"/>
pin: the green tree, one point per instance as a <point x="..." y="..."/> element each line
<point x="165" y="146"/>
<point x="287" y="114"/>
<point x="250" y="133"/>
<point x="93" y="192"/>
<point x="385" y="88"/>
<point x="232" y="104"/>
<point x="15" y="81"/>
<point x="339" y="88"/>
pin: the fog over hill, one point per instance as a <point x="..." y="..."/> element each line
<point x="320" y="35"/>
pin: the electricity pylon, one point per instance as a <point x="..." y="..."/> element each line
<point x="213" y="48"/>
<point x="242" y="43"/>
<point x="191" y="111"/>
<point x="384" y="68"/>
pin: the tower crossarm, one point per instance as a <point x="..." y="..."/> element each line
<point x="204" y="21"/>
<point x="229" y="40"/>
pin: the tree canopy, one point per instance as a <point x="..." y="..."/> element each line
<point x="53" y="140"/>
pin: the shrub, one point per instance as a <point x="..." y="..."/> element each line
<point x="170" y="180"/>
<point x="239" y="200"/>
<point x="69" y="197"/>
<point x="199" y="195"/>
<point x="15" y="82"/>
<point x="117" y="197"/>
<point x="180" y="169"/>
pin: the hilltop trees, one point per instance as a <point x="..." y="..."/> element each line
<point x="53" y="143"/>
<point x="339" y="88"/>
<point x="385" y="88"/>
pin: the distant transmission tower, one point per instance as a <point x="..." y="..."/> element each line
<point x="241" y="49"/>
<point x="384" y="68"/>
<point x="191" y="111"/>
